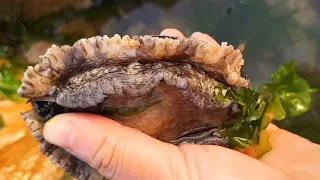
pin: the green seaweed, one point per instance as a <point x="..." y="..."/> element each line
<point x="10" y="81"/>
<point x="244" y="127"/>
<point x="286" y="95"/>
<point x="288" y="92"/>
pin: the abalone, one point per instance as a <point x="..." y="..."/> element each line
<point x="173" y="89"/>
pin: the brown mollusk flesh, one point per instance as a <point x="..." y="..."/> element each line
<point x="171" y="83"/>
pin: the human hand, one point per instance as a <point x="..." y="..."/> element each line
<point x="119" y="152"/>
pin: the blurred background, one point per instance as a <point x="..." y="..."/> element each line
<point x="270" y="32"/>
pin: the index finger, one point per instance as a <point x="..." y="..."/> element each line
<point x="203" y="37"/>
<point x="197" y="35"/>
<point x="172" y="32"/>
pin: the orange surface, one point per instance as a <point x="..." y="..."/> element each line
<point x="20" y="157"/>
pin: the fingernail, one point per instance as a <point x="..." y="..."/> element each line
<point x="197" y="33"/>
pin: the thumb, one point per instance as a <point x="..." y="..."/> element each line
<point x="117" y="152"/>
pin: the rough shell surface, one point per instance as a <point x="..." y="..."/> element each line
<point x="178" y="70"/>
<point x="222" y="62"/>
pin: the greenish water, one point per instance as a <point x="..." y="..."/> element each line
<point x="273" y="32"/>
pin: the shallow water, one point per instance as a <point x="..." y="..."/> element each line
<point x="272" y="32"/>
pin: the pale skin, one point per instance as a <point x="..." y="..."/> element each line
<point x="119" y="152"/>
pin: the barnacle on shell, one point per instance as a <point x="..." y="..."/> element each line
<point x="176" y="86"/>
